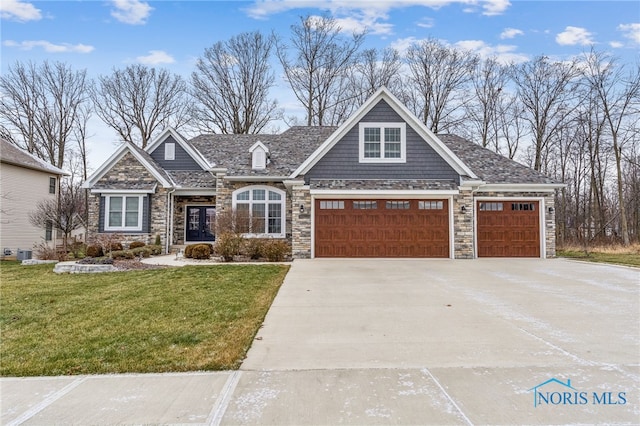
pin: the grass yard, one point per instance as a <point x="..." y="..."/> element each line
<point x="174" y="319"/>
<point x="619" y="255"/>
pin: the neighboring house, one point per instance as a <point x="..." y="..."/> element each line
<point x="25" y="180"/>
<point x="380" y="185"/>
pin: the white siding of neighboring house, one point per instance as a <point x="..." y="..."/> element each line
<point x="20" y="191"/>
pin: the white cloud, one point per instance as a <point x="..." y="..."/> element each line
<point x="403" y="44"/>
<point x="19" y="11"/>
<point x="510" y="33"/>
<point x="49" y="47"/>
<point x="371" y="15"/>
<point x="616" y="44"/>
<point x="156" y="57"/>
<point x="426" y="23"/>
<point x="134" y="12"/>
<point x="503" y="53"/>
<point x="574" y="35"/>
<point x="631" y="31"/>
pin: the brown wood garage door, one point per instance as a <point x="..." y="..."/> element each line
<point x="508" y="229"/>
<point x="381" y="228"/>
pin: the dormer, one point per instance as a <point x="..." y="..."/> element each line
<point x="259" y="156"/>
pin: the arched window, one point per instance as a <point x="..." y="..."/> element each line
<point x="260" y="210"/>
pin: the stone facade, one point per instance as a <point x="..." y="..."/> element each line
<point x="301" y="222"/>
<point x="463" y="225"/>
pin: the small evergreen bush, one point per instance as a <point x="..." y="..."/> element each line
<point x="276" y="250"/>
<point x="136" y="244"/>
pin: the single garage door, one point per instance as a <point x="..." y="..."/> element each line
<point x="381" y="228"/>
<point x="508" y="229"/>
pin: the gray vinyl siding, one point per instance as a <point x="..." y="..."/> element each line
<point x="146" y="217"/>
<point x="342" y="161"/>
<point x="183" y="161"/>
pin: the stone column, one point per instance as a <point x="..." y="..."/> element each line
<point x="301" y="222"/>
<point x="463" y="224"/>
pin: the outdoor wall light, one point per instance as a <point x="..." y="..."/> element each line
<point x="463" y="209"/>
<point x="550" y="209"/>
<point x="301" y="208"/>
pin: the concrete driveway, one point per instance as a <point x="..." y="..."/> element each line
<point x="446" y="342"/>
<point x="421" y="342"/>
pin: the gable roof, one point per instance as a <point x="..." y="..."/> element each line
<point x="491" y="167"/>
<point x="143" y="158"/>
<point x="11" y="154"/>
<point x="193" y="152"/>
<point x="384" y="94"/>
<point x="287" y="150"/>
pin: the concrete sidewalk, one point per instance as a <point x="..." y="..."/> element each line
<point x="396" y="342"/>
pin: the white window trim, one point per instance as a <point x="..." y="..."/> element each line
<point x="283" y="209"/>
<point x="107" y="201"/>
<point x="382" y="159"/>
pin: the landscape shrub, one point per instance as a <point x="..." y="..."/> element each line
<point x="275" y="250"/>
<point x="155" y="249"/>
<point x="141" y="252"/>
<point x="122" y="254"/>
<point x="228" y="245"/>
<point x="136" y="244"/>
<point x="253" y="248"/>
<point x="201" y="251"/>
<point x="94" y="251"/>
<point x="116" y="246"/>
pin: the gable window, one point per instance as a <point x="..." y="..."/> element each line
<point x="52" y="185"/>
<point x="383" y="142"/>
<point x="260" y="210"/>
<point x="169" y="151"/>
<point x="259" y="155"/>
<point x="123" y="213"/>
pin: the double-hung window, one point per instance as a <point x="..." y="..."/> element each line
<point x="260" y="210"/>
<point x="383" y="142"/>
<point x="123" y="213"/>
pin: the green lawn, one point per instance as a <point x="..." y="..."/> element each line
<point x="629" y="259"/>
<point x="174" y="319"/>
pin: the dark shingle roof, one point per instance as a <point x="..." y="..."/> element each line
<point x="491" y="167"/>
<point x="287" y="150"/>
<point x="193" y="179"/>
<point x="11" y="154"/>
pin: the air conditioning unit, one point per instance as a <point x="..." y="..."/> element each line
<point x="24" y="254"/>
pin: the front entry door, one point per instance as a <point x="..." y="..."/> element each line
<point x="200" y="223"/>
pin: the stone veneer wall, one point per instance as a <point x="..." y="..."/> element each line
<point x="301" y="222"/>
<point x="179" y="213"/>
<point x="463" y="225"/>
<point x="129" y="170"/>
<point x="549" y="216"/>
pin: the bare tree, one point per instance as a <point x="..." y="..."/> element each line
<point x="489" y="81"/>
<point x="375" y="69"/>
<point x="138" y="101"/>
<point x="318" y="67"/>
<point x="619" y="96"/>
<point x="439" y="76"/>
<point x="547" y="91"/>
<point x="232" y="82"/>
<point x="43" y="103"/>
<point x="65" y="214"/>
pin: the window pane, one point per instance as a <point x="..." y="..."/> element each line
<point x="115" y="219"/>
<point x="131" y="219"/>
<point x="371" y="142"/>
<point x="132" y="204"/>
<point x="242" y="195"/>
<point x="115" y="211"/>
<point x="392" y="134"/>
<point x="115" y="204"/>
<point x="371" y="134"/>
<point x="392" y="150"/>
<point x="398" y="205"/>
<point x="365" y="205"/>
<point x="242" y="217"/>
<point x="275" y="219"/>
<point x="274" y="196"/>
<point x="257" y="218"/>
<point x="258" y="194"/>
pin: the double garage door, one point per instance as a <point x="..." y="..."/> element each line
<point x="381" y="228"/>
<point x="420" y="228"/>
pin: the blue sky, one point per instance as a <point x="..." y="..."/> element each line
<point x="102" y="34"/>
